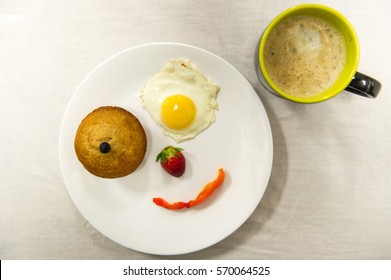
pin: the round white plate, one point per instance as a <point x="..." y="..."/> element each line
<point x="240" y="141"/>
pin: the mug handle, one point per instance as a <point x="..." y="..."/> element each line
<point x="364" y="85"/>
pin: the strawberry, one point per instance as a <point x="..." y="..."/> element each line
<point x="172" y="160"/>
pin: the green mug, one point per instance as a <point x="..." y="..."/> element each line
<point x="294" y="58"/>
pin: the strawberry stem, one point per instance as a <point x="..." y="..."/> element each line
<point x="168" y="152"/>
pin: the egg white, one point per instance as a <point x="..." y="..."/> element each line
<point x="181" y="76"/>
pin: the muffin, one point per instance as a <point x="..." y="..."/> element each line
<point x="110" y="142"/>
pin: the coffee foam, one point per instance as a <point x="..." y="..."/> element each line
<point x="304" y="55"/>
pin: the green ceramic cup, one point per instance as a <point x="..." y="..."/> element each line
<point x="349" y="79"/>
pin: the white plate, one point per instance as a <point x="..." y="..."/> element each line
<point x="240" y="141"/>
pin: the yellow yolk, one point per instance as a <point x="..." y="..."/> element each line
<point x="178" y="111"/>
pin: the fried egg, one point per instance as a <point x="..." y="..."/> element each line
<point x="181" y="99"/>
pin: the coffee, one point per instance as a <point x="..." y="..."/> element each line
<point x="304" y="55"/>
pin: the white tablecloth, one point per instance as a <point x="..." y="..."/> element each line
<point x="330" y="188"/>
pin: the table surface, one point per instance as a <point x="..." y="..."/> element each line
<point x="330" y="188"/>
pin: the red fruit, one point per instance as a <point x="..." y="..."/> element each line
<point x="172" y="160"/>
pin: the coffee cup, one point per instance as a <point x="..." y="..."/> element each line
<point x="310" y="53"/>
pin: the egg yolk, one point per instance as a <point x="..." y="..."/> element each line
<point x="178" y="111"/>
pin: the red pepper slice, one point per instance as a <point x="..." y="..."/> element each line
<point x="201" y="197"/>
